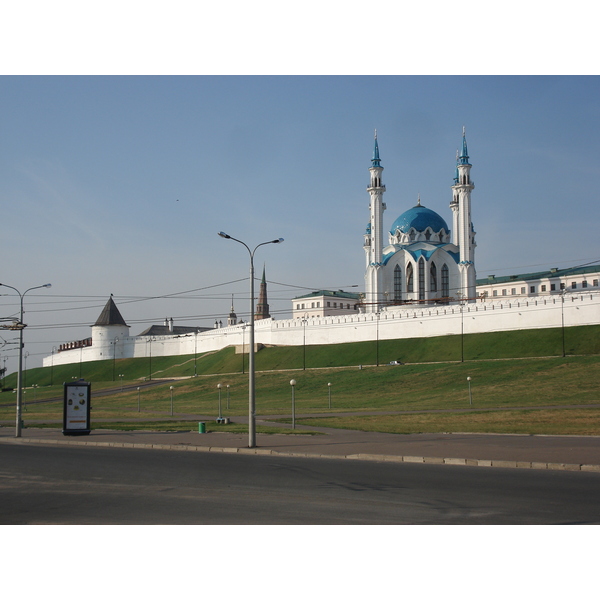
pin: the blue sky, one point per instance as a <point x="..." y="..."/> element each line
<point x="120" y="184"/>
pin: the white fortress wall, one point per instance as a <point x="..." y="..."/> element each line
<point x="398" y="323"/>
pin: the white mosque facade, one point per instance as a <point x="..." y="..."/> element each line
<point x="422" y="283"/>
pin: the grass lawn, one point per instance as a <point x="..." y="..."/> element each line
<point x="534" y="422"/>
<point x="515" y="383"/>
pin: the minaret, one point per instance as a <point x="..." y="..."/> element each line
<point x="262" y="308"/>
<point x="373" y="244"/>
<point x="464" y="234"/>
<point x="232" y="319"/>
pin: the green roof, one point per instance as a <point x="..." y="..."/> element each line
<point x="540" y="275"/>
<point x="329" y="294"/>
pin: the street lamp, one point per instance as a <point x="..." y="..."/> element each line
<point x="304" y="322"/>
<point x="251" y="382"/>
<point x="219" y="388"/>
<point x="227" y="396"/>
<point x="121" y="380"/>
<point x="171" y="388"/>
<point x="293" y="384"/>
<point x="20" y="369"/>
<point x="329" y="388"/>
<point x="470" y="397"/>
<point x="52" y="366"/>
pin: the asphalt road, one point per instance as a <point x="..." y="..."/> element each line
<point x="71" y="485"/>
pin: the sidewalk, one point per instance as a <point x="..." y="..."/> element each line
<point x="573" y="453"/>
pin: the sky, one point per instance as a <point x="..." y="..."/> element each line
<point x="119" y="185"/>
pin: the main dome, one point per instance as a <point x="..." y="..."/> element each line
<point x="420" y="218"/>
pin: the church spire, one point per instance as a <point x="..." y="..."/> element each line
<point x="262" y="308"/>
<point x="232" y="319"/>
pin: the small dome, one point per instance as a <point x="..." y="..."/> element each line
<point x="419" y="218"/>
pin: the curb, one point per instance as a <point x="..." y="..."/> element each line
<point x="468" y="462"/>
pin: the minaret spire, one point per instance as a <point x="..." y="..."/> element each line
<point x="376" y="161"/>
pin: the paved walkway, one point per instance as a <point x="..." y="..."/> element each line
<point x="576" y="453"/>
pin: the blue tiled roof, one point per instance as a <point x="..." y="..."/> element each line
<point x="420" y="218"/>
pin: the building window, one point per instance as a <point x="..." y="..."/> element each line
<point x="495" y="293"/>
<point x="335" y="305"/>
<point x="595" y="283"/>
<point x="297" y="307"/>
<point x="532" y="289"/>
<point x="328" y="304"/>
<point x="318" y="305"/>
<point x="562" y="286"/>
<point x="445" y="282"/>
<point x="421" y="279"/>
<point x="312" y="304"/>
<point x="523" y="290"/>
<point x="303" y="306"/>
<point x="573" y="285"/>
<point x="397" y="283"/>
<point x="584" y="284"/>
<point x="433" y="278"/>
<point x="504" y="292"/>
<point x="513" y="292"/>
<point x="552" y="287"/>
<point x="543" y="288"/>
<point x="409" y="278"/>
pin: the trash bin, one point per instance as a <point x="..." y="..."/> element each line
<point x="201" y="427"/>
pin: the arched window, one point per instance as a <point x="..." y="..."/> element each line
<point x="409" y="278"/>
<point x="432" y="278"/>
<point x="445" y="282"/>
<point x="421" y="279"/>
<point x="397" y="283"/>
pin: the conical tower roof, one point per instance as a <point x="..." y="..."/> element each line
<point x="110" y="315"/>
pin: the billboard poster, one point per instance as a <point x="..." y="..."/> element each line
<point x="76" y="411"/>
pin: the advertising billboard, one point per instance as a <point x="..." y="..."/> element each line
<point x="76" y="410"/>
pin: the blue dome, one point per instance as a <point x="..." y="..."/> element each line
<point x="420" y="218"/>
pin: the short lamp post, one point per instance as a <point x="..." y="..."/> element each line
<point x="171" y="388"/>
<point x="227" y="396"/>
<point x="251" y="374"/>
<point x="138" y="391"/>
<point x="121" y="380"/>
<point x="219" y="388"/>
<point x="470" y="396"/>
<point x="293" y="384"/>
<point x="20" y="368"/>
<point x="329" y="388"/>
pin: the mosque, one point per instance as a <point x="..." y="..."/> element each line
<point x="421" y="284"/>
<point x="424" y="260"/>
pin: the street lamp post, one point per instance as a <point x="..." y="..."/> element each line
<point x="470" y="396"/>
<point x="20" y="368"/>
<point x="227" y="396"/>
<point x="52" y="366"/>
<point x="219" y="388"/>
<point x="171" y="388"/>
<point x="251" y="378"/>
<point x="304" y="322"/>
<point x="329" y="388"/>
<point x="293" y="384"/>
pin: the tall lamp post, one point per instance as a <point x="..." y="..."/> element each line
<point x="251" y="383"/>
<point x="20" y="369"/>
